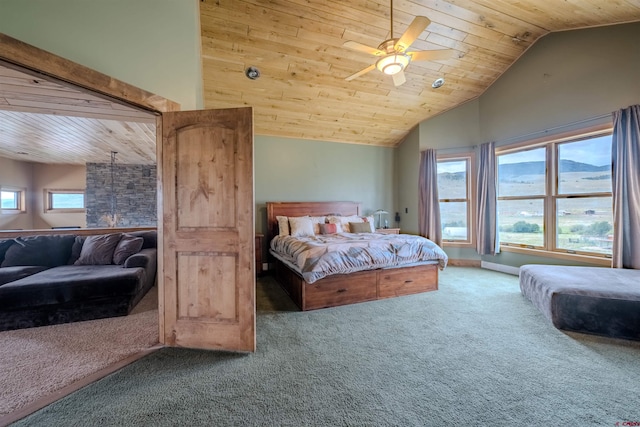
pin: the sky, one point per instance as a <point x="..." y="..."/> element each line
<point x="594" y="151"/>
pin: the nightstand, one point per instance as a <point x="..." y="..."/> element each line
<point x="259" y="254"/>
<point x="388" y="230"/>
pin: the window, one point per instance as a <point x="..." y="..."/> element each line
<point x="12" y="200"/>
<point x="454" y="192"/>
<point x="556" y="196"/>
<point x="64" y="200"/>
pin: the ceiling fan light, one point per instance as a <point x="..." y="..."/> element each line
<point x="393" y="63"/>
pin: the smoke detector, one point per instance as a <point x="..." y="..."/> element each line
<point x="252" y="73"/>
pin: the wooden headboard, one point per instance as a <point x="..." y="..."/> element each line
<point x="305" y="208"/>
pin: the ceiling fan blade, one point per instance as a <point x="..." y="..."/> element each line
<point x="431" y="55"/>
<point x="415" y="29"/>
<point x="363" y="48"/>
<point x="361" y="72"/>
<point x="399" y="79"/>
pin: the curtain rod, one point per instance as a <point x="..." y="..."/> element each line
<point x="555" y="128"/>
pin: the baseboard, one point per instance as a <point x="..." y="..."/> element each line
<point x="501" y="268"/>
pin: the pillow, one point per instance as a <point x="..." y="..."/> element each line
<point x="316" y="221"/>
<point x="98" y="250"/>
<point x="359" y="227"/>
<point x="127" y="246"/>
<point x="328" y="228"/>
<point x="45" y="250"/>
<point x="76" y="249"/>
<point x="283" y="225"/>
<point x="301" y="226"/>
<point x="5" y="244"/>
<point x="371" y="222"/>
<point x="344" y="221"/>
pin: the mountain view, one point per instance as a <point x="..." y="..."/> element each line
<point x="510" y="170"/>
<point x="537" y="168"/>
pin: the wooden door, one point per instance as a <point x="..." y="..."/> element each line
<point x="206" y="203"/>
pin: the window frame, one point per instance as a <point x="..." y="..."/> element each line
<point x="48" y="200"/>
<point x="550" y="247"/>
<point x="21" y="200"/>
<point x="469" y="158"/>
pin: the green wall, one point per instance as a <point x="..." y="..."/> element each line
<point x="407" y="172"/>
<point x="288" y="170"/>
<point x="565" y="81"/>
<point x="151" y="44"/>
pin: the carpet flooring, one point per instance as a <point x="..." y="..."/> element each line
<point x="473" y="353"/>
<point x="36" y="362"/>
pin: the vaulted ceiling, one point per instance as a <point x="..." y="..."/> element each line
<point x="298" y="47"/>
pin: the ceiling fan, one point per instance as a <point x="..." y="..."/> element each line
<point x="393" y="54"/>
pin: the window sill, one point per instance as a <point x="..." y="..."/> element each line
<point x="458" y="244"/>
<point x="59" y="211"/>
<point x="595" y="260"/>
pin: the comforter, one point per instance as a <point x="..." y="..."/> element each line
<point x="319" y="256"/>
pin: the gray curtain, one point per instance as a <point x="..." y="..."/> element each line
<point x="429" y="205"/>
<point x="487" y="242"/>
<point x="625" y="156"/>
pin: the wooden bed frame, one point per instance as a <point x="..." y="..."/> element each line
<point x="343" y="289"/>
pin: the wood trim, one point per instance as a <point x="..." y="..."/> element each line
<point x="40" y="62"/>
<point x="74" y="231"/>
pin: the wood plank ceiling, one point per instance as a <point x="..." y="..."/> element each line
<point x="298" y="47"/>
<point x="47" y="122"/>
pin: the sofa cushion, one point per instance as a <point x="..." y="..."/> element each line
<point x="10" y="274"/>
<point x="150" y="238"/>
<point x="98" y="250"/>
<point x="71" y="283"/>
<point x="48" y="251"/>
<point x="76" y="248"/>
<point x="127" y="246"/>
<point x="5" y="244"/>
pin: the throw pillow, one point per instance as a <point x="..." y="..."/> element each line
<point x="360" y="227"/>
<point x="283" y="225"/>
<point x="328" y="228"/>
<point x="98" y="250"/>
<point x="127" y="246"/>
<point x="301" y="226"/>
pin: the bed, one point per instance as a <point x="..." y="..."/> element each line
<point x="314" y="289"/>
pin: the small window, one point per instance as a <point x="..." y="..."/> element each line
<point x="454" y="192"/>
<point x="12" y="200"/>
<point x="64" y="201"/>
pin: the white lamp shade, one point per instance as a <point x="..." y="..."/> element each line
<point x="393" y="63"/>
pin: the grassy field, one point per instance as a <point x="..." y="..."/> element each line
<point x="576" y="218"/>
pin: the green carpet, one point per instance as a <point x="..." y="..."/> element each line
<point x="474" y="353"/>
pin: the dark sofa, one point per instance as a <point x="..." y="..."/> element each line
<point x="50" y="279"/>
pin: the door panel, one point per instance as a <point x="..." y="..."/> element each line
<point x="208" y="280"/>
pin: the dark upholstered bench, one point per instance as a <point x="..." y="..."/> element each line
<point x="592" y="300"/>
